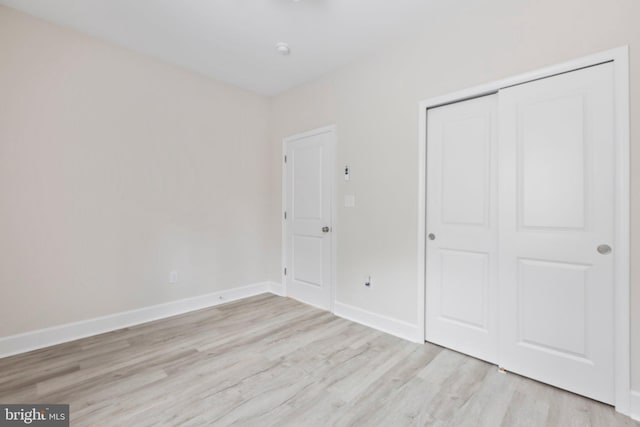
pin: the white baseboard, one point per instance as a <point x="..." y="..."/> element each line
<point x="277" y="289"/>
<point x="34" y="340"/>
<point x="386" y="324"/>
<point x="635" y="405"/>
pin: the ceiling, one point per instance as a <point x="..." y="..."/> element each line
<point x="234" y="40"/>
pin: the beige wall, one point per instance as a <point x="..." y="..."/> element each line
<point x="374" y="105"/>
<point x="115" y="169"/>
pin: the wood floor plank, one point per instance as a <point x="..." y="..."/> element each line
<point x="488" y="405"/>
<point x="272" y="361"/>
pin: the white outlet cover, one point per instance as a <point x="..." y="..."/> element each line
<point x="349" y="201"/>
<point x="173" y="277"/>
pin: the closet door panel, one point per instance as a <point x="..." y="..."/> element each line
<point x="556" y="217"/>
<point x="461" y="226"/>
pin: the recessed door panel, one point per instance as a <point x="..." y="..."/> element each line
<point x="307" y="260"/>
<point x="552" y="156"/>
<point x="466" y="145"/>
<point x="559" y="291"/>
<point x="307" y="183"/>
<point x="465" y="286"/>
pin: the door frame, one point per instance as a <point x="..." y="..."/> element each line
<point x="620" y="59"/>
<point x="332" y="182"/>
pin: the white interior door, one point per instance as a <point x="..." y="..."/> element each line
<point x="308" y="223"/>
<point x="461" y="250"/>
<point x="556" y="228"/>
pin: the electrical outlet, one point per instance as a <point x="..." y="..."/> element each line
<point x="173" y="277"/>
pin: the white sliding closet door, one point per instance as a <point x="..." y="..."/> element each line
<point x="556" y="227"/>
<point x="520" y="225"/>
<point x="461" y="227"/>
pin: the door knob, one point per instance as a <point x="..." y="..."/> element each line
<point x="325" y="229"/>
<point x="604" y="249"/>
<point x="431" y="236"/>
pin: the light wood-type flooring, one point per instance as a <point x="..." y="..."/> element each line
<point x="271" y="361"/>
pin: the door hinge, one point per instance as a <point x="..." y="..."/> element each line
<point x="285" y="271"/>
<point x="285" y="214"/>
